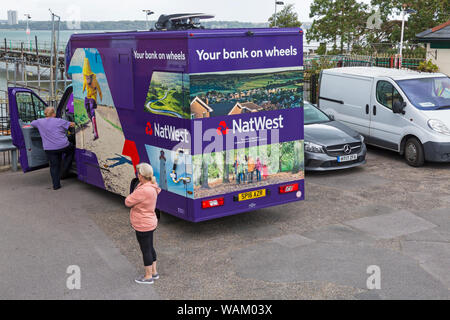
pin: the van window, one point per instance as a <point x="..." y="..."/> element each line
<point x="427" y="93"/>
<point x="29" y="106"/>
<point x="39" y="107"/>
<point x="387" y="94"/>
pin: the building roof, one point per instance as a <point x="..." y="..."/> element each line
<point x="439" y="33"/>
<point x="250" y="106"/>
<point x="202" y="103"/>
<point x="371" y="72"/>
<point x="221" y="108"/>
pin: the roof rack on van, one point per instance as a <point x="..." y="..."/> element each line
<point x="181" y="21"/>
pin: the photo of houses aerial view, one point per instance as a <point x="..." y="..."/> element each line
<point x="236" y="92"/>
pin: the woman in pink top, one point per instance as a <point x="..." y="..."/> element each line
<point x="258" y="169"/>
<point x="143" y="218"/>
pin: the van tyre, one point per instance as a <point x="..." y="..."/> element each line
<point x="414" y="154"/>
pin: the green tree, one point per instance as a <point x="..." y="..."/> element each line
<point x="343" y="20"/>
<point x="322" y="49"/>
<point x="296" y="157"/>
<point x="286" y="18"/>
<point x="428" y="66"/>
<point x="430" y="13"/>
<point x="226" y="167"/>
<point x="204" y="173"/>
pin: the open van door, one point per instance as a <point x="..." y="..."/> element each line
<point x="24" y="107"/>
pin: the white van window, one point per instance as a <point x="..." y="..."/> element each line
<point x="427" y="93"/>
<point x="387" y="94"/>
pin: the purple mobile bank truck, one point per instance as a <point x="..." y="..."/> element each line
<point x="217" y="113"/>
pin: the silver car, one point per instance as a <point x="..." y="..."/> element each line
<point x="329" y="144"/>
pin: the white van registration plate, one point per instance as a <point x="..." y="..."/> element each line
<point x="350" y="157"/>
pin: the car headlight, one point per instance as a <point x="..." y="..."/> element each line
<point x="312" y="147"/>
<point x="438" y="126"/>
<point x="362" y="138"/>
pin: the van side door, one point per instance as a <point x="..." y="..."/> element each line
<point x="385" y="126"/>
<point x="24" y="107"/>
<point x="347" y="98"/>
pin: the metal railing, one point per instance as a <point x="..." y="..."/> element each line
<point x="30" y="46"/>
<point x="314" y="64"/>
<point x="6" y="156"/>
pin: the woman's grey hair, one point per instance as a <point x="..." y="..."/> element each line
<point x="146" y="171"/>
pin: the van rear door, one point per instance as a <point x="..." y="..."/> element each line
<point x="24" y="107"/>
<point x="347" y="98"/>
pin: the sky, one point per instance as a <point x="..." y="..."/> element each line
<point x="101" y="10"/>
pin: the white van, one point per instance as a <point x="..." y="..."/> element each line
<point x="400" y="110"/>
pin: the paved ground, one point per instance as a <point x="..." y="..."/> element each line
<point x="43" y="232"/>
<point x="385" y="214"/>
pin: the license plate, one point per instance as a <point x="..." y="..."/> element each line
<point x="252" y="195"/>
<point x="350" y="157"/>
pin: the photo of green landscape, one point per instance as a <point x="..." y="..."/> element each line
<point x="236" y="92"/>
<point x="168" y="94"/>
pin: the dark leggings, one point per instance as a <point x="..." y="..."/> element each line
<point x="145" y="240"/>
<point x="55" y="158"/>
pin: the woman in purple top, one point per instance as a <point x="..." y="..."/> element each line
<point x="54" y="140"/>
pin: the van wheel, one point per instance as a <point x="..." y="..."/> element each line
<point x="414" y="153"/>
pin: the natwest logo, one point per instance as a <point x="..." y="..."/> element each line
<point x="258" y="123"/>
<point x="148" y="129"/>
<point x="222" y="129"/>
<point x="171" y="133"/>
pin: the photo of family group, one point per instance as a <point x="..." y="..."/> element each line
<point x="224" y="93"/>
<point x="240" y="169"/>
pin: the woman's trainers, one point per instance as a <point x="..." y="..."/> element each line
<point x="155" y="276"/>
<point x="142" y="280"/>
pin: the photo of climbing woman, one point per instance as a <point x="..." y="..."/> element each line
<point x="98" y="129"/>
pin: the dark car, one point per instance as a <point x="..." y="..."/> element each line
<point x="330" y="144"/>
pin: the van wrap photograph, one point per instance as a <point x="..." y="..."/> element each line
<point x="184" y="99"/>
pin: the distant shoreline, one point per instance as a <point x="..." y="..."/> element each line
<point x="124" y="25"/>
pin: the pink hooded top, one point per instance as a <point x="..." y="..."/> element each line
<point x="142" y="203"/>
<point x="258" y="165"/>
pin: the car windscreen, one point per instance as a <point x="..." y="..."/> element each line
<point x="314" y="115"/>
<point x="427" y="93"/>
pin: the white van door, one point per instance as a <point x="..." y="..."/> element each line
<point x="385" y="125"/>
<point x="347" y="98"/>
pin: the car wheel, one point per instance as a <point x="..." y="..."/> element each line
<point x="414" y="155"/>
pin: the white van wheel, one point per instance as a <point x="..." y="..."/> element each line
<point x="414" y="153"/>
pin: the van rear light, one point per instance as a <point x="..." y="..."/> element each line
<point x="211" y="203"/>
<point x="289" y="188"/>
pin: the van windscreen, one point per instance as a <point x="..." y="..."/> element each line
<point x="427" y="93"/>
